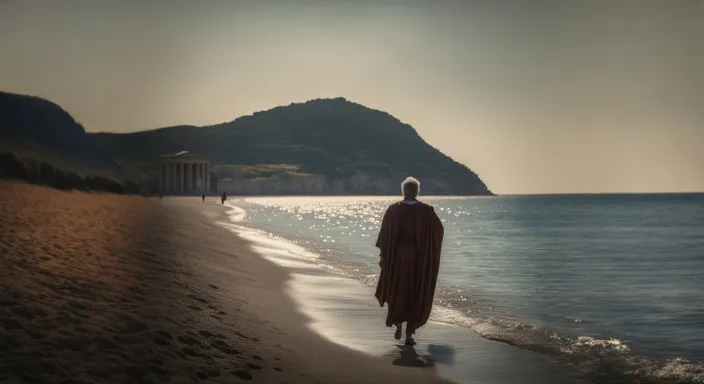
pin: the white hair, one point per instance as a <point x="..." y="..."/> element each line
<point x="410" y="180"/>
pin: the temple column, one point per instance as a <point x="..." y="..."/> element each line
<point x="188" y="178"/>
<point x="197" y="170"/>
<point x="181" y="177"/>
<point x="202" y="177"/>
<point x="194" y="178"/>
<point x="207" y="178"/>
<point x="162" y="169"/>
<point x="198" y="176"/>
<point x="179" y="166"/>
<point x="166" y="177"/>
<point x="174" y="177"/>
<point x="194" y="169"/>
<point x="161" y="177"/>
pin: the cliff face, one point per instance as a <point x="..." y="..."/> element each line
<point x="336" y="147"/>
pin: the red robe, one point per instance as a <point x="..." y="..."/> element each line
<point x="410" y="241"/>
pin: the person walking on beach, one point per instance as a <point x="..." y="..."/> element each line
<point x="410" y="241"/>
<point x="223" y="197"/>
<point x="203" y="197"/>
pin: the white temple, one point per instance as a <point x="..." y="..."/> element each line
<point x="184" y="173"/>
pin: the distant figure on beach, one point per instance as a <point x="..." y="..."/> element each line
<point x="203" y="197"/>
<point x="223" y="198"/>
<point x="410" y="241"/>
<point x="161" y="194"/>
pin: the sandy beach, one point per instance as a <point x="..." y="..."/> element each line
<point x="100" y="288"/>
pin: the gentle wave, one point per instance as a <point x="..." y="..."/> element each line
<point x="602" y="360"/>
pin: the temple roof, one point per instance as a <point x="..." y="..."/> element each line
<point x="185" y="155"/>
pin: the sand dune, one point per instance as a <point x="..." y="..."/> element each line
<point x="99" y="288"/>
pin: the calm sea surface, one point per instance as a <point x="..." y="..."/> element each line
<point x="617" y="277"/>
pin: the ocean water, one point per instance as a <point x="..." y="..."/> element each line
<point x="602" y="282"/>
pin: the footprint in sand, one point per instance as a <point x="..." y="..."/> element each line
<point x="157" y="370"/>
<point x="104" y="342"/>
<point x="28" y="313"/>
<point x="197" y="298"/>
<point x="240" y="334"/>
<point x="36" y="333"/>
<point x="10" y="324"/>
<point x="162" y="338"/>
<point x="188" y="340"/>
<point x="242" y="374"/>
<point x="213" y="372"/>
<point x="224" y="347"/>
<point x="135" y="371"/>
<point x="205" y="333"/>
<point x="8" y="302"/>
<point x="209" y="374"/>
<point x="192" y="352"/>
<point x="164" y="334"/>
<point x="132" y="327"/>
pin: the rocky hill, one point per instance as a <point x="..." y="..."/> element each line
<point x="43" y="144"/>
<point x="324" y="146"/>
<point x="36" y="126"/>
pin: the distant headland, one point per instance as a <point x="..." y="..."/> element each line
<point x="319" y="147"/>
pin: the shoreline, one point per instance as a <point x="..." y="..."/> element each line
<point x="580" y="366"/>
<point x="105" y="288"/>
<point x="344" y="312"/>
<point x="96" y="287"/>
<point x="289" y="320"/>
<point x="603" y="359"/>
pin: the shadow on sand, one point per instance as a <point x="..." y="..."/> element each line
<point x="408" y="356"/>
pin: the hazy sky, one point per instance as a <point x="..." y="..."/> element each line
<point x="535" y="96"/>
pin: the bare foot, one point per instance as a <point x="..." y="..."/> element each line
<point x="410" y="341"/>
<point x="397" y="334"/>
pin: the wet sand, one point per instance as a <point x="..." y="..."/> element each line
<point x="344" y="311"/>
<point x="98" y="288"/>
